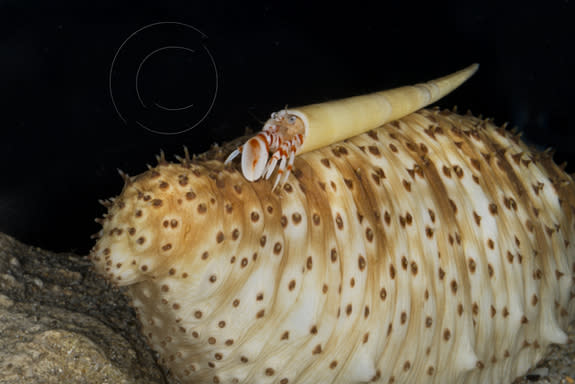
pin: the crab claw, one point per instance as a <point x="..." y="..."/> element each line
<point x="254" y="158"/>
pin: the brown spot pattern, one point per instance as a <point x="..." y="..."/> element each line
<point x="415" y="222"/>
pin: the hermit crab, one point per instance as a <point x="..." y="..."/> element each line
<point x="290" y="132"/>
<point x="404" y="245"/>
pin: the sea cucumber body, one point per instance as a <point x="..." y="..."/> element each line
<point x="437" y="248"/>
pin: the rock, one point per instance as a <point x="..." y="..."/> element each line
<point x="59" y="323"/>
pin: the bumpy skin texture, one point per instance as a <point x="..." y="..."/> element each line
<point x="437" y="248"/>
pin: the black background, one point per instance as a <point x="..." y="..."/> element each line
<point x="62" y="138"/>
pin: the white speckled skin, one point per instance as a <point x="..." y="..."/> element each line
<point x="437" y="248"/>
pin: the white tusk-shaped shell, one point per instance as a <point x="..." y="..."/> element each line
<point x="333" y="121"/>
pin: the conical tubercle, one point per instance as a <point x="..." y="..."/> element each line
<point x="333" y="121"/>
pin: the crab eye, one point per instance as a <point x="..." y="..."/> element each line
<point x="292" y="119"/>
